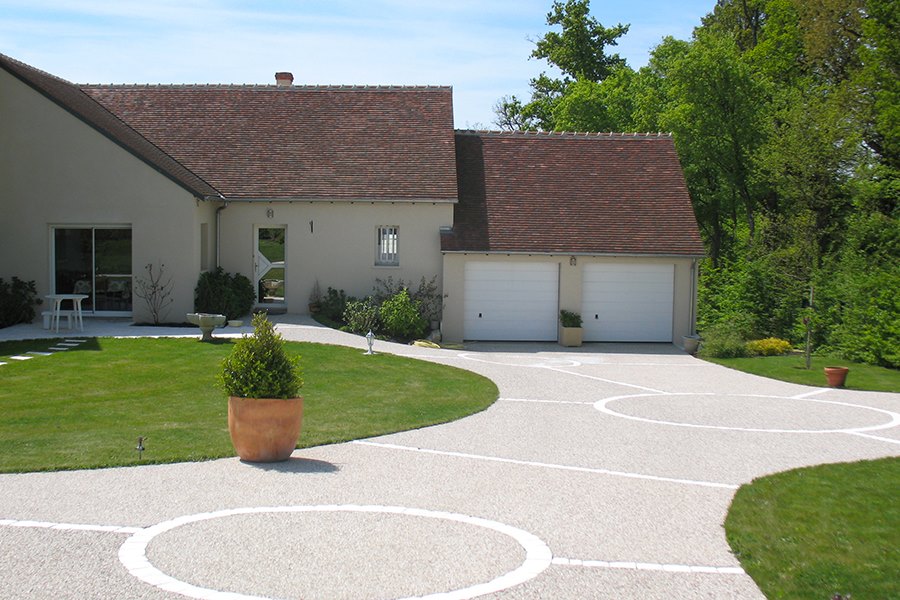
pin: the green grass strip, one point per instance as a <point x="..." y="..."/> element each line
<point x="792" y="368"/>
<point x="86" y="407"/>
<point x="820" y="531"/>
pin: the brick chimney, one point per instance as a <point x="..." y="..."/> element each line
<point x="284" y="79"/>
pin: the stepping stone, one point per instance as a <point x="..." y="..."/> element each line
<point x="36" y="353"/>
<point x="2" y="363"/>
<point x="76" y="341"/>
<point x="69" y="345"/>
<point x="55" y="349"/>
<point x="21" y="357"/>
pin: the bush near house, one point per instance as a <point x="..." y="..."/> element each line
<point x="17" y="301"/>
<point x="223" y="293"/>
<point x="393" y="310"/>
<point x="768" y="347"/>
<point x="361" y="316"/>
<point x="723" y="341"/>
<point x="400" y="317"/>
<point x="334" y="304"/>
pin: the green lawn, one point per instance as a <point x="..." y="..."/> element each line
<point x="820" y="531"/>
<point x="85" y="408"/>
<point x="793" y="368"/>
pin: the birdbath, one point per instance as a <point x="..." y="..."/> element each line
<point x="206" y="322"/>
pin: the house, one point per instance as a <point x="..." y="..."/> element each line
<point x="341" y="185"/>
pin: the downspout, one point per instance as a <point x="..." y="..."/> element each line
<point x="694" y="276"/>
<point x="219" y="228"/>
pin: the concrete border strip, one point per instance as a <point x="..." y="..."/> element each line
<point x="132" y="553"/>
<point x="645" y="566"/>
<point x="528" y="463"/>
<point x="600" y="405"/>
<point x="873" y="437"/>
<point x="69" y="526"/>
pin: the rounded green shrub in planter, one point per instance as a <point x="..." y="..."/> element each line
<point x="569" y="319"/>
<point x="265" y="410"/>
<point x="258" y="366"/>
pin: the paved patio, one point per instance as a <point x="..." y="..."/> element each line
<point x="601" y="472"/>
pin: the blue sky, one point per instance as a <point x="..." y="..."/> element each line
<point x="480" y="47"/>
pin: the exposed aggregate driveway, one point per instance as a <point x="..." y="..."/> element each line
<point x="601" y="472"/>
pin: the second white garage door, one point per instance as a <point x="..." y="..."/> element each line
<point x="511" y="301"/>
<point x="628" y="302"/>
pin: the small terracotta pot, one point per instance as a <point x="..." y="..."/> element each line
<point x="264" y="429"/>
<point x="836" y="376"/>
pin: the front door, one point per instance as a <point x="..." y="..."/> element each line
<point x="269" y="267"/>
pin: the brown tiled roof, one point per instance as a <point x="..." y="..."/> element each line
<point x="571" y="194"/>
<point x="74" y="100"/>
<point x="299" y="142"/>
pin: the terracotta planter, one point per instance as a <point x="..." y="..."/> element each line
<point x="266" y="429"/>
<point x="836" y="376"/>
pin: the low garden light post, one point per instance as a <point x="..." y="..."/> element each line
<point x="370" y="339"/>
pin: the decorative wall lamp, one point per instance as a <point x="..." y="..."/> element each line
<point x="573" y="261"/>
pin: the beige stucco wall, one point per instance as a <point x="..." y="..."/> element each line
<point x="570" y="278"/>
<point x="55" y="170"/>
<point x="338" y="249"/>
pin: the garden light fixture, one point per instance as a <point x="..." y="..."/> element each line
<point x="370" y="339"/>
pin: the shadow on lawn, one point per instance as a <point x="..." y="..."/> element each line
<point x="15" y="347"/>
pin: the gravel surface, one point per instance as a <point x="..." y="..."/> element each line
<point x="601" y="472"/>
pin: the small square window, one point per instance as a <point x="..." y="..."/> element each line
<point x="386" y="246"/>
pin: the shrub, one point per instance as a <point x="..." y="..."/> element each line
<point x="222" y="293"/>
<point x="361" y="316"/>
<point x="426" y="296"/>
<point x="333" y="304"/>
<point x="156" y="292"/>
<point x="569" y="318"/>
<point x="17" y="301"/>
<point x="400" y="317"/>
<point x="768" y="347"/>
<point x="723" y="341"/>
<point x="258" y="366"/>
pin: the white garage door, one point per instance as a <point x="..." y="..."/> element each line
<point x="628" y="302"/>
<point x="511" y="301"/>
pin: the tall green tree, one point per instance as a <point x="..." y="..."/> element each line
<point x="579" y="51"/>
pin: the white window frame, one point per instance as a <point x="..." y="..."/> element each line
<point x="387" y="246"/>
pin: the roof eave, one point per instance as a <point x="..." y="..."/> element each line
<point x="579" y="253"/>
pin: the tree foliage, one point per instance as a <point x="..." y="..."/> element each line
<point x="786" y="117"/>
<point x="578" y="51"/>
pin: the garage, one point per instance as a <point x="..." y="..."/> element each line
<point x="628" y="302"/>
<point x="511" y="301"/>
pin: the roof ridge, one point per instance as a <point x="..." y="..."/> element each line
<point x="256" y="86"/>
<point x="571" y="134"/>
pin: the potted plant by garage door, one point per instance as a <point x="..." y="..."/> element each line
<point x="570" y="333"/>
<point x="265" y="409"/>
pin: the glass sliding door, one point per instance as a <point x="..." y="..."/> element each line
<point x="74" y="264"/>
<point x="95" y="261"/>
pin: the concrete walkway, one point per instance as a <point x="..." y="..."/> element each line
<point x="601" y="472"/>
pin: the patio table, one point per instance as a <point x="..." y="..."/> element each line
<point x="58" y="299"/>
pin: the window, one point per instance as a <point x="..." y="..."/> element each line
<point x="95" y="261"/>
<point x="386" y="246"/>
